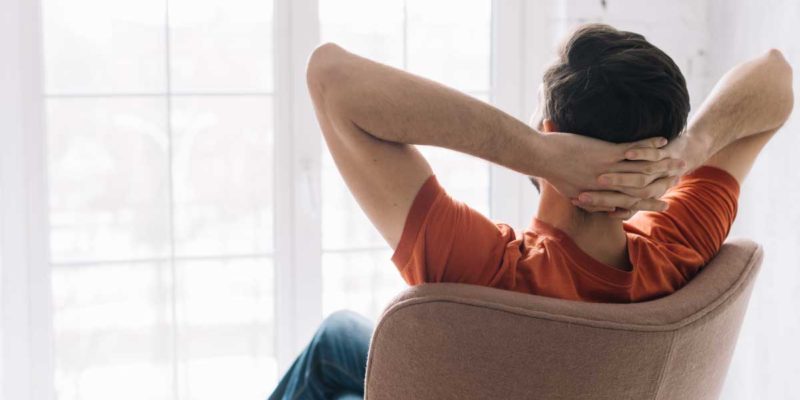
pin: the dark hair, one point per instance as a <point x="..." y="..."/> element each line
<point x="615" y="86"/>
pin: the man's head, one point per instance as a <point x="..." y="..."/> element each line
<point x="612" y="85"/>
<point x="615" y="86"/>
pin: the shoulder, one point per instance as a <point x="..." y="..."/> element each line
<point x="663" y="258"/>
<point x="709" y="175"/>
<point x="544" y="247"/>
<point x="705" y="195"/>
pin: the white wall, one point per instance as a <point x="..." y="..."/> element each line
<point x="706" y="38"/>
<point x="765" y="364"/>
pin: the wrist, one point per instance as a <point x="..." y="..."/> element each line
<point x="700" y="146"/>
<point x="540" y="151"/>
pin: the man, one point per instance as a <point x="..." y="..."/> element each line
<point x="622" y="99"/>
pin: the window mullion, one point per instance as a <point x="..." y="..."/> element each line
<point x="297" y="182"/>
<point x="520" y="43"/>
<point x="26" y="371"/>
<point x="506" y="87"/>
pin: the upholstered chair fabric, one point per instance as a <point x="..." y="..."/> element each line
<point x="455" y="341"/>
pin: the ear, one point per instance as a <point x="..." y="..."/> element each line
<point x="548" y="126"/>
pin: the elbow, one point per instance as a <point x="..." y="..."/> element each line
<point x="324" y="67"/>
<point x="776" y="56"/>
<point x="779" y="65"/>
<point x="789" y="100"/>
<point x="782" y="70"/>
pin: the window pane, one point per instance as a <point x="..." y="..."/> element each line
<point x="222" y="172"/>
<point x="448" y="41"/>
<point x="107" y="165"/>
<point x="113" y="327"/>
<point x="362" y="281"/>
<point x="454" y="48"/>
<point x="345" y="225"/>
<point x="465" y="178"/>
<point x="451" y="47"/>
<point x="130" y="194"/>
<point x="225" y="325"/>
<point x="221" y="45"/>
<point x="104" y="46"/>
<point x="375" y="31"/>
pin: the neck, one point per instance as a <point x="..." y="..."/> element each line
<point x="598" y="235"/>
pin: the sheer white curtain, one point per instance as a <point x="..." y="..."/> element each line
<point x="765" y="363"/>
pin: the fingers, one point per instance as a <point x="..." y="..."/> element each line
<point x="643" y="148"/>
<point x="577" y="203"/>
<point x="621" y="214"/>
<point x="625" y="180"/>
<point x="653" y="142"/>
<point x="650" y="205"/>
<point x="617" y="200"/>
<point x="592" y="209"/>
<point x="639" y="174"/>
<point x="654" y="190"/>
<point x="646" y="154"/>
<point x="667" y="166"/>
<point x="606" y="199"/>
<point x="655" y="167"/>
<point x="643" y="205"/>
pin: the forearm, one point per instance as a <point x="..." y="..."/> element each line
<point x="396" y="106"/>
<point x="754" y="97"/>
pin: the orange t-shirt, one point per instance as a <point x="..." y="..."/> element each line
<point x="447" y="241"/>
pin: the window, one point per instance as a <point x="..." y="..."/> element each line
<point x="163" y="140"/>
<point x="426" y="38"/>
<point x="160" y="134"/>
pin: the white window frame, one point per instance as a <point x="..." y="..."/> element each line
<point x="26" y="371"/>
<point x="298" y="222"/>
<point x="521" y="46"/>
<point x="520" y="37"/>
<point x="521" y="40"/>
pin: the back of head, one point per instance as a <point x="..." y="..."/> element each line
<point x="615" y="86"/>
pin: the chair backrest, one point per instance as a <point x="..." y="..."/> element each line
<point x="455" y="341"/>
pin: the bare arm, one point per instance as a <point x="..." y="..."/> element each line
<point x="755" y="96"/>
<point x="371" y="115"/>
<point x="747" y="106"/>
<point x="398" y="107"/>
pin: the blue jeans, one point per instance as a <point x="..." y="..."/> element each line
<point x="333" y="365"/>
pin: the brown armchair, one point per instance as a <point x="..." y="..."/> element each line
<point x="454" y="341"/>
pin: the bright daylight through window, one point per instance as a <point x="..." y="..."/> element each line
<point x="161" y="153"/>
<point x="159" y="129"/>
<point x="357" y="271"/>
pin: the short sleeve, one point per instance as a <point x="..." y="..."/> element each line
<point x="701" y="210"/>
<point x="445" y="240"/>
